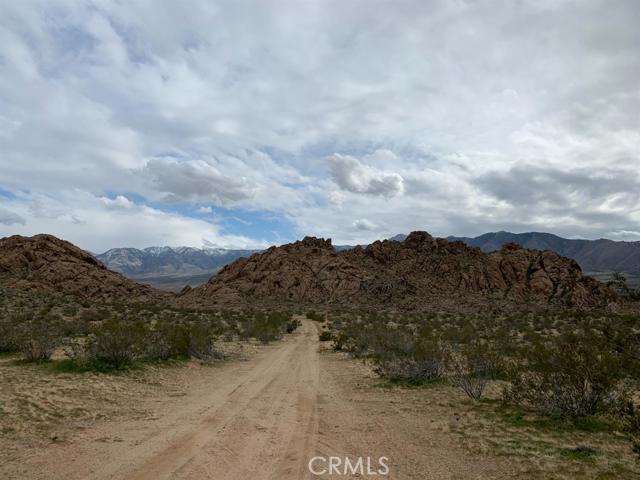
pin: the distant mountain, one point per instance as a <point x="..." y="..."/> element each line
<point x="592" y="255"/>
<point x="170" y="268"/>
<point x="401" y="237"/>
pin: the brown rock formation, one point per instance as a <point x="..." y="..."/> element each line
<point x="44" y="263"/>
<point x="419" y="273"/>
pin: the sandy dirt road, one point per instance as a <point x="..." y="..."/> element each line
<point x="265" y="418"/>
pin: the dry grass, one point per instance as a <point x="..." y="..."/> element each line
<point x="543" y="448"/>
<point x="41" y="404"/>
<point x="521" y="444"/>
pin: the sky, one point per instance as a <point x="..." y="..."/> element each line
<point x="249" y="123"/>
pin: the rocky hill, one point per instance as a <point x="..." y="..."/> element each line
<point x="44" y="263"/>
<point x="420" y="272"/>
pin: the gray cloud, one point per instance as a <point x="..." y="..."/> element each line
<point x="364" y="224"/>
<point x="352" y="175"/>
<point x="196" y="180"/>
<point x="9" y="218"/>
<point x="528" y="185"/>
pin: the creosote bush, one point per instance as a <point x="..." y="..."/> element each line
<point x="167" y="339"/>
<point x="325" y="336"/>
<point x="8" y="336"/>
<point x="201" y="344"/>
<point x="315" y="316"/>
<point x="36" y="339"/>
<point x="573" y="375"/>
<point x="266" y="327"/>
<point x="471" y="367"/>
<point x="115" y="342"/>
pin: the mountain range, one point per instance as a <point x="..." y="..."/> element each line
<point x="171" y="268"/>
<point x="598" y="258"/>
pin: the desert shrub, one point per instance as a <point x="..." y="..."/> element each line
<point x="265" y="327"/>
<point x="574" y="375"/>
<point x="339" y="341"/>
<point x="325" y="336"/>
<point x="357" y="338"/>
<point x="37" y="338"/>
<point x="94" y="314"/>
<point x="315" y="316"/>
<point x="114" y="343"/>
<point x="292" y="325"/>
<point x="165" y="340"/>
<point x="619" y="284"/>
<point x="400" y="356"/>
<point x="409" y="370"/>
<point x="8" y="335"/>
<point x="471" y="367"/>
<point x="70" y="310"/>
<point x="201" y="344"/>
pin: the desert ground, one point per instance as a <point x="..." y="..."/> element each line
<point x="264" y="415"/>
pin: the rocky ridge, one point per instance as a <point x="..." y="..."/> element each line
<point x="420" y="272"/>
<point x="44" y="263"/>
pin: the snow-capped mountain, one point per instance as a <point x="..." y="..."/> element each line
<point x="170" y="267"/>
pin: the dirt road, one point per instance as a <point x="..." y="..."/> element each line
<point x="265" y="418"/>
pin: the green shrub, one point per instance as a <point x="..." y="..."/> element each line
<point x="115" y="343"/>
<point x="317" y="317"/>
<point x="401" y="357"/>
<point x="292" y="325"/>
<point x="265" y="327"/>
<point x="8" y="336"/>
<point x="201" y="344"/>
<point x="325" y="336"/>
<point x="571" y="376"/>
<point x="167" y="339"/>
<point x="39" y="337"/>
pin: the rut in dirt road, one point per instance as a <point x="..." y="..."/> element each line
<point x="262" y="427"/>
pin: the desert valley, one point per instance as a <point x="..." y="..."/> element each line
<point x="319" y="239"/>
<point x="446" y="361"/>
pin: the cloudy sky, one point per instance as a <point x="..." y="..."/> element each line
<point x="242" y="123"/>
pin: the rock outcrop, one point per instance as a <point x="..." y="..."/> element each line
<point x="418" y="273"/>
<point x="44" y="263"/>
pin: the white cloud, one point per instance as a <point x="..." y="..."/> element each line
<point x="119" y="203"/>
<point x="336" y="198"/>
<point x="426" y="112"/>
<point x="82" y="218"/>
<point x="204" y="209"/>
